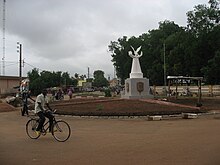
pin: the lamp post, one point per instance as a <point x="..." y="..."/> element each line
<point x="19" y="50"/>
<point x="164" y="64"/>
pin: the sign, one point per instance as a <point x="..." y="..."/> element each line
<point x="140" y="87"/>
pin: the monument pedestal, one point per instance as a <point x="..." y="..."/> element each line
<point x="136" y="88"/>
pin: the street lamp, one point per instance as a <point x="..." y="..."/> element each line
<point x="164" y="63"/>
<point x="19" y="50"/>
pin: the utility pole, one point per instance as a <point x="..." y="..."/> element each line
<point x="19" y="50"/>
<point x="114" y="72"/>
<point x="164" y="64"/>
<point x="164" y="60"/>
<point x="88" y="73"/>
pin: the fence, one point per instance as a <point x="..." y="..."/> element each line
<point x="207" y="90"/>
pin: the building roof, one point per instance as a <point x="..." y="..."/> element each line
<point x="184" y="77"/>
<point x="11" y="77"/>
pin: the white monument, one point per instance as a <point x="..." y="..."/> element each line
<point x="136" y="86"/>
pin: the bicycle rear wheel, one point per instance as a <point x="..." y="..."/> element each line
<point x="61" y="131"/>
<point x="31" y="128"/>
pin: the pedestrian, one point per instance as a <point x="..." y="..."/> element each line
<point x="70" y="93"/>
<point x="25" y="97"/>
<point x="59" y="95"/>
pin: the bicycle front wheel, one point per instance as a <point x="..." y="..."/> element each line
<point x="31" y="128"/>
<point x="61" y="131"/>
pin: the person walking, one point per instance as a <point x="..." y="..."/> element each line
<point x="70" y="93"/>
<point x="25" y="97"/>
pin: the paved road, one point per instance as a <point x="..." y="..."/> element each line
<point x="114" y="141"/>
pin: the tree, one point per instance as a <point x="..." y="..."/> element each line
<point x="35" y="81"/>
<point x="99" y="79"/>
<point x="188" y="49"/>
<point x="76" y="75"/>
<point x="156" y="40"/>
<point x="203" y="18"/>
<point x="34" y="74"/>
<point x="82" y="77"/>
<point x="212" y="70"/>
<point x="152" y="47"/>
<point x="46" y="79"/>
<point x="67" y="80"/>
<point x="120" y="58"/>
<point x="203" y="23"/>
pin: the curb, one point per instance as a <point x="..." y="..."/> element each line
<point x="148" y="118"/>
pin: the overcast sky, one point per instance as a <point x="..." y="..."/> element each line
<point x="72" y="35"/>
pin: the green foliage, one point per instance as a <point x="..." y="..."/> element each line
<point x="203" y="18"/>
<point x="212" y="70"/>
<point x="108" y="93"/>
<point x="190" y="50"/>
<point x="99" y="79"/>
<point x="100" y="107"/>
<point x="46" y="79"/>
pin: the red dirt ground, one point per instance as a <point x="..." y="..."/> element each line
<point x="128" y="107"/>
<point x="118" y="107"/>
<point x="4" y="107"/>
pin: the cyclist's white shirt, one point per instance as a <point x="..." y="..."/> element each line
<point x="40" y="99"/>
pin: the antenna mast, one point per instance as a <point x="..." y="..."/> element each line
<point x="3" y="39"/>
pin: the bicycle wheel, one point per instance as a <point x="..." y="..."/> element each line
<point x="61" y="131"/>
<point x="31" y="129"/>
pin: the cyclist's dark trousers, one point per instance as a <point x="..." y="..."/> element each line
<point x="42" y="119"/>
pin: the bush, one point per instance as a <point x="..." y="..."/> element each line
<point x="108" y="93"/>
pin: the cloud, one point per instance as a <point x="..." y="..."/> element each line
<point x="72" y="35"/>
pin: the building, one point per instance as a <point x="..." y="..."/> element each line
<point x="9" y="84"/>
<point x="80" y="83"/>
<point x="114" y="82"/>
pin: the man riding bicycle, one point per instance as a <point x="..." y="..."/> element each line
<point x="42" y="112"/>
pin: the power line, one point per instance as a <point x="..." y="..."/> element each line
<point x="11" y="61"/>
<point x="33" y="66"/>
<point x="11" y="64"/>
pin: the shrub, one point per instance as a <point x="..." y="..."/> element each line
<point x="108" y="93"/>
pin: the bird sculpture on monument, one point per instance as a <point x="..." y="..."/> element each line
<point x="136" y="69"/>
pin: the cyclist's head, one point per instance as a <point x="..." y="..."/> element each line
<point x="44" y="91"/>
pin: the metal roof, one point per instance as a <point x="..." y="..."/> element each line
<point x="184" y="77"/>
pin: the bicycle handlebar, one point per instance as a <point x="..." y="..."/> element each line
<point x="52" y="111"/>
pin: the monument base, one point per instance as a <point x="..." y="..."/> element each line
<point x="136" y="88"/>
<point x="136" y="75"/>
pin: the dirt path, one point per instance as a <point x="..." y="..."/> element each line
<point x="114" y="141"/>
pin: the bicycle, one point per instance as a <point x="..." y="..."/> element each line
<point x="60" y="129"/>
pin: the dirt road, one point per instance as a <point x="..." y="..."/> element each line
<point x="114" y="141"/>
